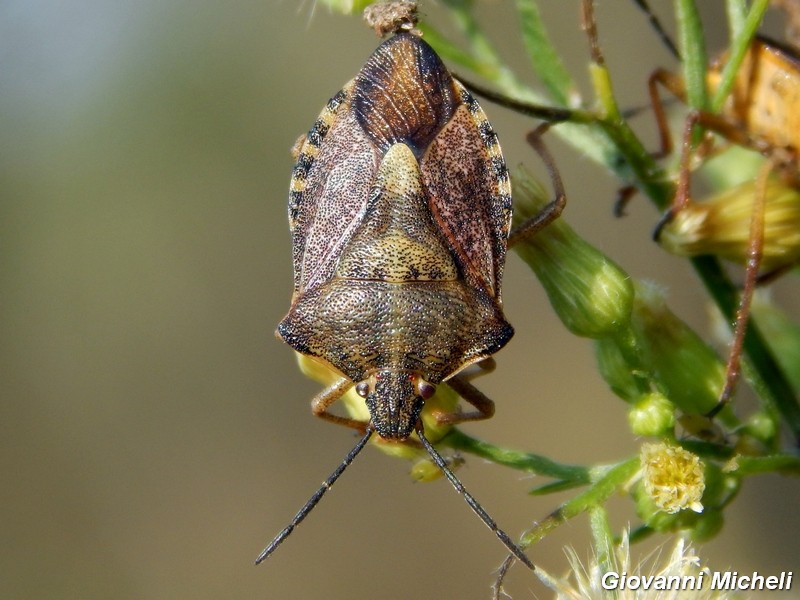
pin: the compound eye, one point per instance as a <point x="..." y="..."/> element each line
<point x="362" y="389"/>
<point x="425" y="389"/>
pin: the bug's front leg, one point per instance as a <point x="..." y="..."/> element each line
<point x="332" y="393"/>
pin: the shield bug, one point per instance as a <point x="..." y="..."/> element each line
<point x="399" y="210"/>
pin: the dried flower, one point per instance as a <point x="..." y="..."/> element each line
<point x="586" y="582"/>
<point x="720" y="225"/>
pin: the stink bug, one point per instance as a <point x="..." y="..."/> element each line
<point x="400" y="210"/>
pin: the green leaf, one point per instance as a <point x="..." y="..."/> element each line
<point x="546" y="62"/>
<point x="693" y="49"/>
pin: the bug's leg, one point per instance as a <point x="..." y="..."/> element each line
<point x="483" y="404"/>
<point x="754" y="254"/>
<point x="708" y="121"/>
<point x="298" y="146"/>
<point x="321" y="402"/>
<point x="484" y="367"/>
<point x="624" y="195"/>
<point x="674" y="84"/>
<point x="460" y="384"/>
<point x="551" y="114"/>
<point x="682" y="189"/>
<point x="554" y="209"/>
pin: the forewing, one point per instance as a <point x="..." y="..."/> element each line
<point x="329" y="190"/>
<point x="470" y="193"/>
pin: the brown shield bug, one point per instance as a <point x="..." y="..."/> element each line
<point x="400" y="210"/>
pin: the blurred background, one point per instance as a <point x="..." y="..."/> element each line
<point x="154" y="435"/>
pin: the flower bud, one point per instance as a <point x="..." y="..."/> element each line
<point x="687" y="371"/>
<point x="762" y="427"/>
<point x="720" y="225"/>
<point x="425" y="470"/>
<point x="652" y="415"/>
<point x="617" y="372"/>
<point x="590" y="293"/>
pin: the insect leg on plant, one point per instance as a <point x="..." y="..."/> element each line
<point x="759" y="115"/>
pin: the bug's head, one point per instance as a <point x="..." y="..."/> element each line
<point x="395" y="399"/>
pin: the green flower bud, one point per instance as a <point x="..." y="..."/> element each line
<point x="652" y="415"/>
<point x="617" y="372"/>
<point x="762" y="427"/>
<point x="687" y="371"/>
<point x="590" y="293"/>
<point x="425" y="470"/>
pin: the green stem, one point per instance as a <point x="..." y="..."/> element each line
<point x="755" y="465"/>
<point x="739" y="46"/>
<point x="616" y="478"/>
<point x="523" y="461"/>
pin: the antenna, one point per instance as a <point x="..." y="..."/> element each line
<point x="312" y="502"/>
<point x="473" y="504"/>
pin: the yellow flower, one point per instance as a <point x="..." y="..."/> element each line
<point x="673" y="477"/>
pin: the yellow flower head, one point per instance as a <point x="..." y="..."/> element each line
<point x="673" y="477"/>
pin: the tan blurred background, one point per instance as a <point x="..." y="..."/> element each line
<point x="154" y="435"/>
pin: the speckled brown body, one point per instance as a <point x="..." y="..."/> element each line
<point x="399" y="208"/>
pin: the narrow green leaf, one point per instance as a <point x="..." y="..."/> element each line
<point x="737" y="12"/>
<point x="693" y="50"/>
<point x="602" y="539"/>
<point x="556" y="486"/>
<point x="600" y="491"/>
<point x="524" y="461"/>
<point x="778" y="463"/>
<point x="446" y="49"/>
<point x="543" y="56"/>
<point x="739" y="46"/>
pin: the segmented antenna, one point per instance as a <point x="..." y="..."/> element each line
<point x="312" y="502"/>
<point x="473" y="504"/>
